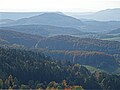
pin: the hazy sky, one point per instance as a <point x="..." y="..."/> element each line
<point x="58" y="5"/>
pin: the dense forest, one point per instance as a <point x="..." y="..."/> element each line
<point x="24" y="68"/>
<point x="101" y="60"/>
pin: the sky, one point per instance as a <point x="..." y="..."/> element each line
<point x="57" y="5"/>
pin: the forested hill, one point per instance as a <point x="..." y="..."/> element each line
<point x="116" y="31"/>
<point x="44" y="30"/>
<point x="84" y="51"/>
<point x="65" y="42"/>
<point x="99" y="60"/>
<point x="12" y="37"/>
<point x="33" y="69"/>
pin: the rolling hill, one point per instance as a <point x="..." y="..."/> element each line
<point x="116" y="31"/>
<point x="44" y="30"/>
<point x="84" y="51"/>
<point x="65" y="42"/>
<point x="100" y="26"/>
<point x="13" y="37"/>
<point x="5" y="21"/>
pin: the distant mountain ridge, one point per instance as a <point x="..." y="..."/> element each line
<point x="53" y="19"/>
<point x="103" y="15"/>
<point x="58" y="19"/>
<point x="19" y="15"/>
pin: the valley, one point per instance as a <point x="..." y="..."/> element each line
<point x="44" y="50"/>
